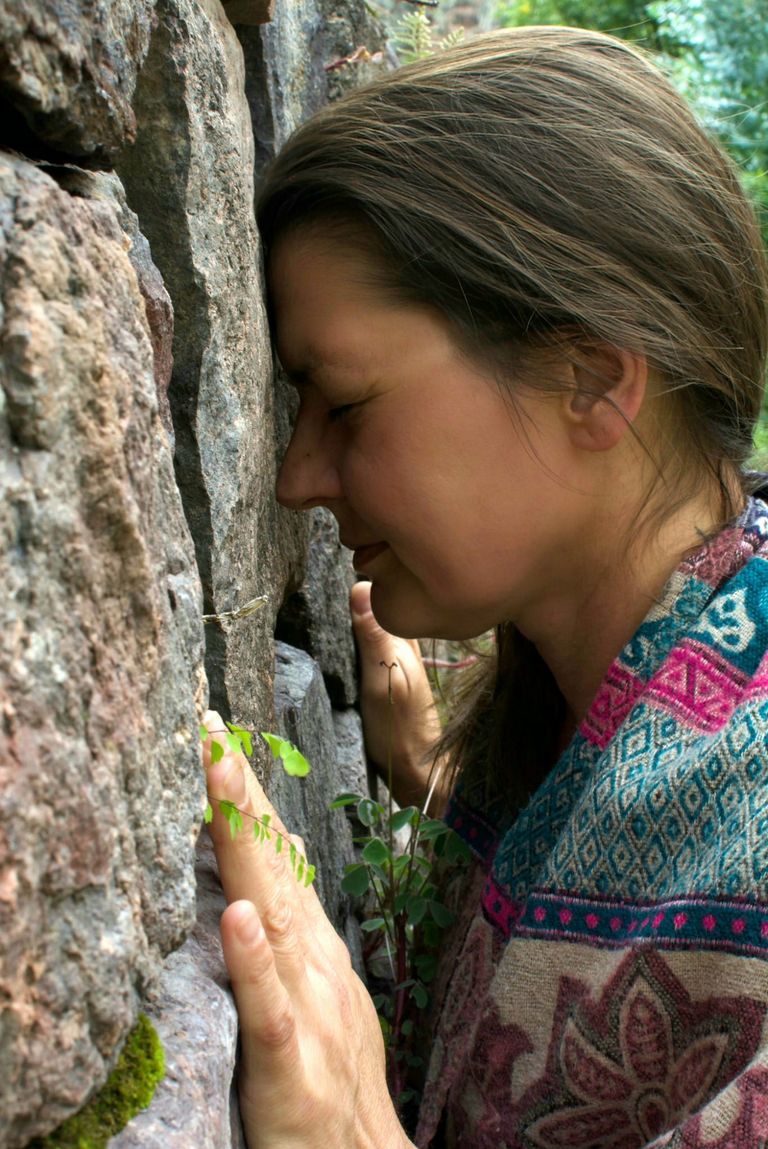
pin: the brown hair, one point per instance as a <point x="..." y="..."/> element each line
<point x="541" y="180"/>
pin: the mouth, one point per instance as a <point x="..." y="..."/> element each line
<point x="365" y="555"/>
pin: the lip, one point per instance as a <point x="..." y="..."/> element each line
<point x="366" y="554"/>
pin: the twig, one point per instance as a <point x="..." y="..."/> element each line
<point x="244" y="611"/>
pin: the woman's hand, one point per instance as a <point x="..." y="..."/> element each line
<point x="411" y="720"/>
<point x="312" y="1068"/>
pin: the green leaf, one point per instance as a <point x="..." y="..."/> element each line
<point x="400" y="865"/>
<point x="203" y="733"/>
<point x="274" y="742"/>
<point x="426" y="966"/>
<point x="369" y="812"/>
<point x="356" y="880"/>
<point x="456" y="849"/>
<point x="300" y="868"/>
<point x="233" y="816"/>
<point x="416" y="909"/>
<point x="278" y="843"/>
<point x="234" y="743"/>
<point x="343" y="800"/>
<point x="407" y="1027"/>
<point x="244" y="735"/>
<point x="377" y="852"/>
<point x="432" y="828"/>
<point x="208" y="815"/>
<point x="408" y="816"/>
<point x="295" y="764"/>
<point x="309" y="877"/>
<point x="419" y="995"/>
<point x="373" y="924"/>
<point x="217" y="752"/>
<point x="440" y="913"/>
<point x="413" y="1059"/>
<point x="293" y="854"/>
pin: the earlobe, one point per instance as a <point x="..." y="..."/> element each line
<point x="608" y="389"/>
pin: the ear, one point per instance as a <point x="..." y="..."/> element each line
<point x="608" y="386"/>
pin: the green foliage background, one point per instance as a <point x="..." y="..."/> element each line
<point x="716" y="51"/>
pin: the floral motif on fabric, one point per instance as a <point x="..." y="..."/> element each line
<point x="621" y="1069"/>
<point x="461" y="1007"/>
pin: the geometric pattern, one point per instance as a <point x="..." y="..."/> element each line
<point x="726" y="925"/>
<point x="664" y="787"/>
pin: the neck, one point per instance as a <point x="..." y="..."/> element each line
<point x="580" y="630"/>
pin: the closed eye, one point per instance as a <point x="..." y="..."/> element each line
<point x="337" y="413"/>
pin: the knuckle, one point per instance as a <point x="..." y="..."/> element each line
<point x="278" y="1029"/>
<point x="277" y="920"/>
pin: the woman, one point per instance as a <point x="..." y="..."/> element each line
<point x="524" y="304"/>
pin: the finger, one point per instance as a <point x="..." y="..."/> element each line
<point x="268" y="1026"/>
<point x="248" y="867"/>
<point x="377" y="646"/>
<point x="231" y="778"/>
<point x="321" y="931"/>
<point x="367" y="630"/>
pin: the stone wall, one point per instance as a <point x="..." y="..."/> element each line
<point x="140" y="428"/>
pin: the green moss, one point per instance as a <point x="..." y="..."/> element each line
<point x="129" y="1088"/>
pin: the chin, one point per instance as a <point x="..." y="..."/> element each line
<point x="411" y="618"/>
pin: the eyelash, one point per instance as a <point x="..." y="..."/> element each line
<point x="337" y="413"/>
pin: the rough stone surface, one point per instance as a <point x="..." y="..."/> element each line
<point x="100" y="632"/>
<point x="192" y="1008"/>
<point x="193" y="163"/>
<point x="68" y="71"/>
<point x="250" y="11"/>
<point x="194" y="1013"/>
<point x="157" y="301"/>
<point x="100" y="652"/>
<point x="286" y="64"/>
<point x="316" y="616"/>
<point x="303" y="715"/>
<point x="350" y="751"/>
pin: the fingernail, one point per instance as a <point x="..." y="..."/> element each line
<point x="248" y="927"/>
<point x="226" y="778"/>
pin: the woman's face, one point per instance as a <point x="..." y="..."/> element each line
<point x="453" y="503"/>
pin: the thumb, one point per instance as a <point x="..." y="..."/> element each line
<point x="370" y="636"/>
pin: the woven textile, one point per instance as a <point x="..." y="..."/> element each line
<point x="608" y="986"/>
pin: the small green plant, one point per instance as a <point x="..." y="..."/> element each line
<point x="405" y="914"/>
<point x="129" y="1088"/>
<point x="240" y="741"/>
<point x="413" y="37"/>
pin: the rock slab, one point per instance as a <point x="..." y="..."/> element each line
<point x="193" y="163"/>
<point x="68" y="71"/>
<point x="194" y="1013"/>
<point x="303" y="714"/>
<point x="100" y="657"/>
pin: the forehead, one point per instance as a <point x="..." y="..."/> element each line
<point x="326" y="297"/>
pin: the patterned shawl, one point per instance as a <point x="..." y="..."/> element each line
<point x="608" y="987"/>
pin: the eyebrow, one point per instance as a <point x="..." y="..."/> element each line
<point x="312" y="372"/>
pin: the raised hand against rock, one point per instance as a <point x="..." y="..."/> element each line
<point x="312" y="1067"/>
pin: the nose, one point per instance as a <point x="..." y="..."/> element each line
<point x="309" y="475"/>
